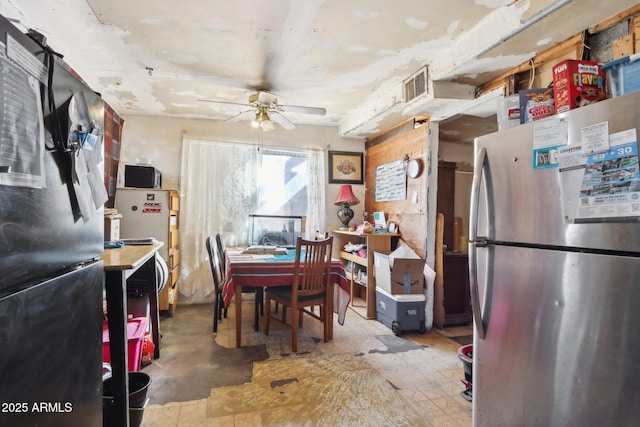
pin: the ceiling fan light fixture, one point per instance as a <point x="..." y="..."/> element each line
<point x="256" y="121"/>
<point x="267" y="124"/>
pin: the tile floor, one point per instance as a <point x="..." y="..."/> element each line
<point x="428" y="378"/>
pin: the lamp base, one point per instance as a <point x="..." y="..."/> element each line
<point x="345" y="214"/>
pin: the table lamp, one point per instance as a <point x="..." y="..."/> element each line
<point x="345" y="199"/>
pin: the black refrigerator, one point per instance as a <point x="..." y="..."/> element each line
<point x="51" y="238"/>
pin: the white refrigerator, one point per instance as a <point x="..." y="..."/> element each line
<point x="146" y="213"/>
<point x="150" y="212"/>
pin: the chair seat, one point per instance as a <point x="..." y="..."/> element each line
<point x="284" y="293"/>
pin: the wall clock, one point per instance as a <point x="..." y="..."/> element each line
<point x="414" y="168"/>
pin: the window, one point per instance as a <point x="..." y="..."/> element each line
<point x="282" y="183"/>
<point x="223" y="182"/>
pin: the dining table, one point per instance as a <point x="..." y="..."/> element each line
<point x="265" y="270"/>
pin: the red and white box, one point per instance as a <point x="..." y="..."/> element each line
<point x="578" y="83"/>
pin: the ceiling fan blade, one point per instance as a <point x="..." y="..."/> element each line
<point x="303" y="110"/>
<point x="245" y="115"/>
<point x="223" y="102"/>
<point x="281" y="120"/>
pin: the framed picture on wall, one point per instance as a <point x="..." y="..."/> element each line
<point x="346" y="167"/>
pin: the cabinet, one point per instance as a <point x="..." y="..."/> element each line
<point x="446" y="198"/>
<point x="363" y="292"/>
<point x="451" y="300"/>
<point x="154" y="213"/>
<point x="457" y="297"/>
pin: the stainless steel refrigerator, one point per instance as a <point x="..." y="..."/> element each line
<point x="51" y="240"/>
<point x="554" y="262"/>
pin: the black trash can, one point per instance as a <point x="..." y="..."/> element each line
<point x="138" y="385"/>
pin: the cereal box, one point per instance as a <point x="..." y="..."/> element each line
<point x="577" y="83"/>
<point x="535" y="104"/>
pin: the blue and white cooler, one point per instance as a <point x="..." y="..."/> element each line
<point x="401" y="312"/>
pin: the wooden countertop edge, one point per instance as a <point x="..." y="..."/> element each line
<point x="129" y="257"/>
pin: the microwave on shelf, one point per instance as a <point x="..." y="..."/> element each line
<point x="142" y="176"/>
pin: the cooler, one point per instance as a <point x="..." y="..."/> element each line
<point x="401" y="312"/>
<point x="136" y="329"/>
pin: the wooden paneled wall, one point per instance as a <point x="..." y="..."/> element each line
<point x="393" y="146"/>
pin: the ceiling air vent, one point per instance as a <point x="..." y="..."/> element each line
<point x="415" y="85"/>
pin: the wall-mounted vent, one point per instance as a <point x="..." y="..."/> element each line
<point x="415" y="85"/>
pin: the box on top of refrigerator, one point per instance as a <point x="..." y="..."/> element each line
<point x="535" y="104"/>
<point x="578" y="83"/>
<point x="623" y="75"/>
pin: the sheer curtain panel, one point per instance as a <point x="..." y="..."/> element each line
<point x="316" y="218"/>
<point x="218" y="186"/>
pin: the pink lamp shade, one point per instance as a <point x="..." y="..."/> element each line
<point x="345" y="195"/>
<point x="345" y="199"/>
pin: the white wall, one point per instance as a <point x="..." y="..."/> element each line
<point x="159" y="139"/>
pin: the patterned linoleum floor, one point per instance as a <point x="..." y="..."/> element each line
<point x="423" y="370"/>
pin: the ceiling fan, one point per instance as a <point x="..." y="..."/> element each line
<point x="265" y="110"/>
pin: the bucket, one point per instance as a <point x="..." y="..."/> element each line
<point x="465" y="353"/>
<point x="138" y="385"/>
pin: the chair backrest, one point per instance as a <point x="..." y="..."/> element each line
<point x="221" y="253"/>
<point x="312" y="266"/>
<point x="214" y="262"/>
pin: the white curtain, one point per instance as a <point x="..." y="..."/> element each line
<point x="218" y="183"/>
<point x="316" y="218"/>
<point x="219" y="190"/>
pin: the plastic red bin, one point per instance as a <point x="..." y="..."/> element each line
<point x="465" y="353"/>
<point x="136" y="328"/>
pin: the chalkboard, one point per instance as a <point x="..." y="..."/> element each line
<point x="391" y="182"/>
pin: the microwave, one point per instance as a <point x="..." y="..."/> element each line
<point x="142" y="176"/>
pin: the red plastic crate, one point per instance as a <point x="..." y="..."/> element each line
<point x="136" y="328"/>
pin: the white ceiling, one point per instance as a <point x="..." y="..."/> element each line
<point x="155" y="57"/>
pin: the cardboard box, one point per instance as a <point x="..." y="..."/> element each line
<point x="401" y="312"/>
<point x="404" y="276"/>
<point x="112" y="227"/>
<point x="578" y="83"/>
<point x="508" y="112"/>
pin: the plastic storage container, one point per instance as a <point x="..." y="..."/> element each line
<point x="136" y="328"/>
<point x="465" y="353"/>
<point x="623" y="75"/>
<point x="401" y="312"/>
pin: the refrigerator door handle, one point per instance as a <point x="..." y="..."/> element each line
<point x="474" y="242"/>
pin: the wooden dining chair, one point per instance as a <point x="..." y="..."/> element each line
<point x="222" y="261"/>
<point x="257" y="290"/>
<point x="318" y="236"/>
<point x="218" y="281"/>
<point x="311" y="279"/>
